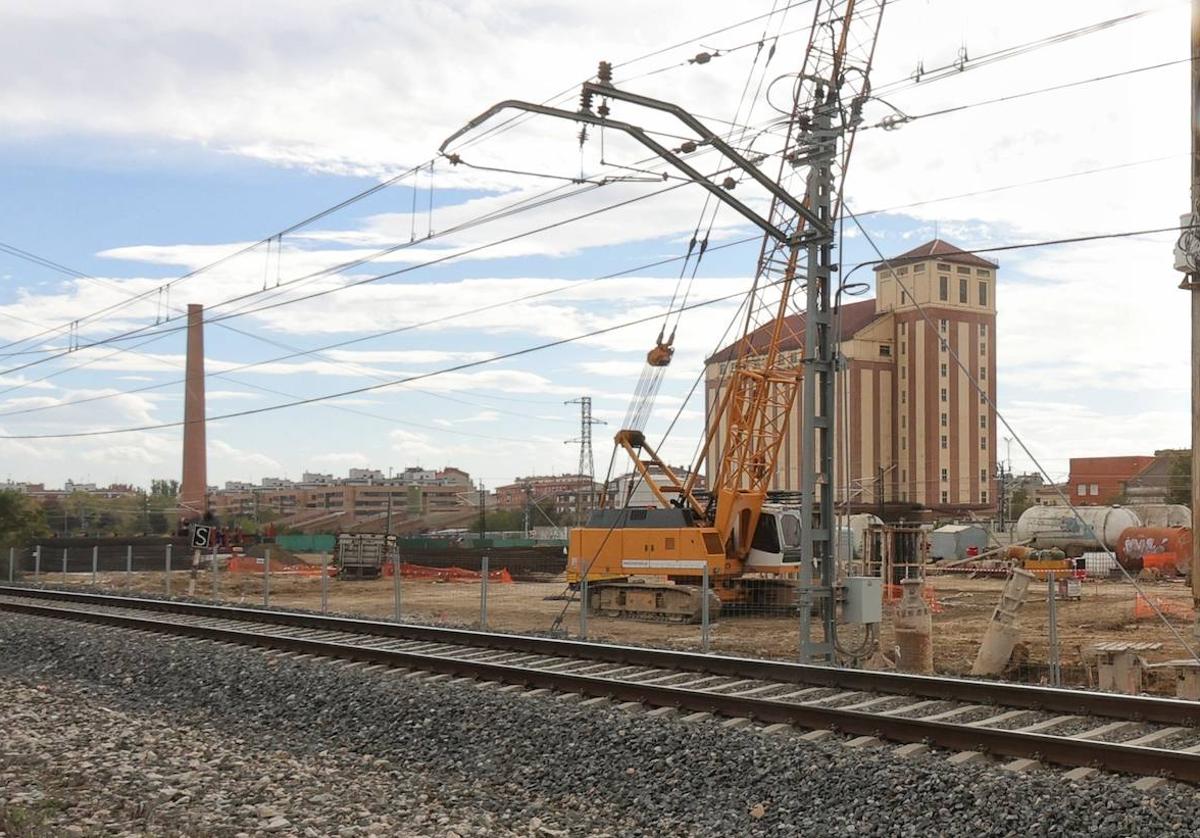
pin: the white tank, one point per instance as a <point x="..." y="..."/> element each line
<point x="1166" y="515"/>
<point x="1060" y="526"/>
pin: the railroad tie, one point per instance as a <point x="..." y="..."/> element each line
<point x="995" y="720"/>
<point x="1104" y="730"/>
<point x="1155" y="736"/>
<point x="951" y="713"/>
<point x="869" y="703"/>
<point x="916" y="705"/>
<point x="1046" y="724"/>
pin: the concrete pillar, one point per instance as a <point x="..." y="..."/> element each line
<point x="1002" y="633"/>
<point x="193" y="492"/>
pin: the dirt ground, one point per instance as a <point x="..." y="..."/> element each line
<point x="962" y="609"/>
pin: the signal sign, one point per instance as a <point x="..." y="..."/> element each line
<point x="201" y="537"/>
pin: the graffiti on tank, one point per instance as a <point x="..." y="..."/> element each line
<point x="1147" y="546"/>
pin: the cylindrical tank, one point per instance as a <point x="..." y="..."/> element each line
<point x="1162" y="514"/>
<point x="1136" y="543"/>
<point x="1062" y="527"/>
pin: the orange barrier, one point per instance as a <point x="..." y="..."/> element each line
<point x="447" y="574"/>
<point x="250" y="564"/>
<point x="1143" y="610"/>
<point x="892" y="594"/>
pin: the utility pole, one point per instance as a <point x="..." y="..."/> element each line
<point x="482" y="515"/>
<point x="1187" y="260"/>
<point x="586" y="479"/>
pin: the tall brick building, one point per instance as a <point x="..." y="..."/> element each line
<point x="912" y="429"/>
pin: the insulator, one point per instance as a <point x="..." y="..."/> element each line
<point x="687" y="147"/>
<point x="729" y="183"/>
<point x="604" y="73"/>
<point x="583" y="135"/>
<point x="603" y="109"/>
<point x="701" y="58"/>
<point x="585" y="101"/>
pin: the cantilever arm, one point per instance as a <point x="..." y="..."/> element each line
<point x="662" y="151"/>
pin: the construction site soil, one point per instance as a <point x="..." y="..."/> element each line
<point x="962" y="608"/>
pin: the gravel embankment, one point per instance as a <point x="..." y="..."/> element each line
<point x="111" y="732"/>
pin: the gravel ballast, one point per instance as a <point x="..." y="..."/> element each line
<point x="109" y="731"/>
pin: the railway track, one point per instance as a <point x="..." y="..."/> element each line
<point x="1139" y="735"/>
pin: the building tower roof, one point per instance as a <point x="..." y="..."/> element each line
<point x="939" y="249"/>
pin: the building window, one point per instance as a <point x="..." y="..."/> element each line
<point x="903" y="298"/>
<point x="903" y="347"/>
<point x="942" y="266"/>
<point x="983" y="422"/>
<point x="983" y="443"/>
<point x="903" y="476"/>
<point x="945" y="395"/>
<point x="903" y="328"/>
<point x="903" y="397"/>
<point x="885" y="350"/>
<point x="903" y="443"/>
<point x="945" y="497"/>
<point x="983" y="398"/>
<point x="945" y="420"/>
<point x="919" y="268"/>
<point x="962" y="290"/>
<point x="945" y="370"/>
<point x="945" y="347"/>
<point x="983" y="330"/>
<point x="1095" y="490"/>
<point x="945" y="475"/>
<point x="900" y="271"/>
<point x="945" y="442"/>
<point x="983" y="349"/>
<point x="1081" y="490"/>
<point x="983" y="475"/>
<point x="960" y="269"/>
<point x="983" y="294"/>
<point x="983" y="496"/>
<point x="904" y="372"/>
<point x="943" y="288"/>
<point x="982" y="272"/>
<point x="903" y="422"/>
<point x="943" y="325"/>
<point x="983" y="373"/>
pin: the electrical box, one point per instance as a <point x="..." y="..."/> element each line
<point x="1187" y="246"/>
<point x="864" y="600"/>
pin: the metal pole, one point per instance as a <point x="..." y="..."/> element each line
<point x="167" y="568"/>
<point x="129" y="567"/>
<point x="1052" y="609"/>
<point x="216" y="575"/>
<point x="396" y="583"/>
<point x="704" y="611"/>
<point x="64" y="567"/>
<point x="12" y="561"/>
<point x="583" y="607"/>
<point x="1192" y="284"/>
<point x="483" y="592"/>
<point x="267" y="578"/>
<point x="95" y="563"/>
<point x="324" y="584"/>
<point x="37" y="563"/>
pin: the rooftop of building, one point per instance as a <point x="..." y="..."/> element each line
<point x="854" y="317"/>
<point x="938" y="249"/>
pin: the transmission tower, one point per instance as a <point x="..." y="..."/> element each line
<point x="587" y="469"/>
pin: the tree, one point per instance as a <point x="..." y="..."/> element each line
<point x="1018" y="503"/>
<point x="21" y="520"/>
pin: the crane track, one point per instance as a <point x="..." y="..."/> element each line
<point x="1158" y="736"/>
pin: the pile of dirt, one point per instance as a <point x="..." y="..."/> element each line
<point x="278" y="554"/>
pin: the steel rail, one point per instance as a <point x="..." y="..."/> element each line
<point x="1156" y="709"/>
<point x="1046" y="748"/>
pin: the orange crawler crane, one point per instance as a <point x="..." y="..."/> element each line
<point x="649" y="562"/>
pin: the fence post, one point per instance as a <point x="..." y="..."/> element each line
<point x="324" y="583"/>
<point x="12" y="559"/>
<point x="95" y="563"/>
<point x="37" y="564"/>
<point x="267" y="578"/>
<point x="483" y="592"/>
<point x="1052" y="612"/>
<point x="167" y="569"/>
<point x="396" y="583"/>
<point x="704" y="611"/>
<point x="64" y="567"/>
<point x="583" y="607"/>
<point x="216" y="577"/>
<point x="129" y="568"/>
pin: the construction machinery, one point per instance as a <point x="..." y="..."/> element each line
<point x="652" y="562"/>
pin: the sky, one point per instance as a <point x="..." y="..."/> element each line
<point x="141" y="142"/>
